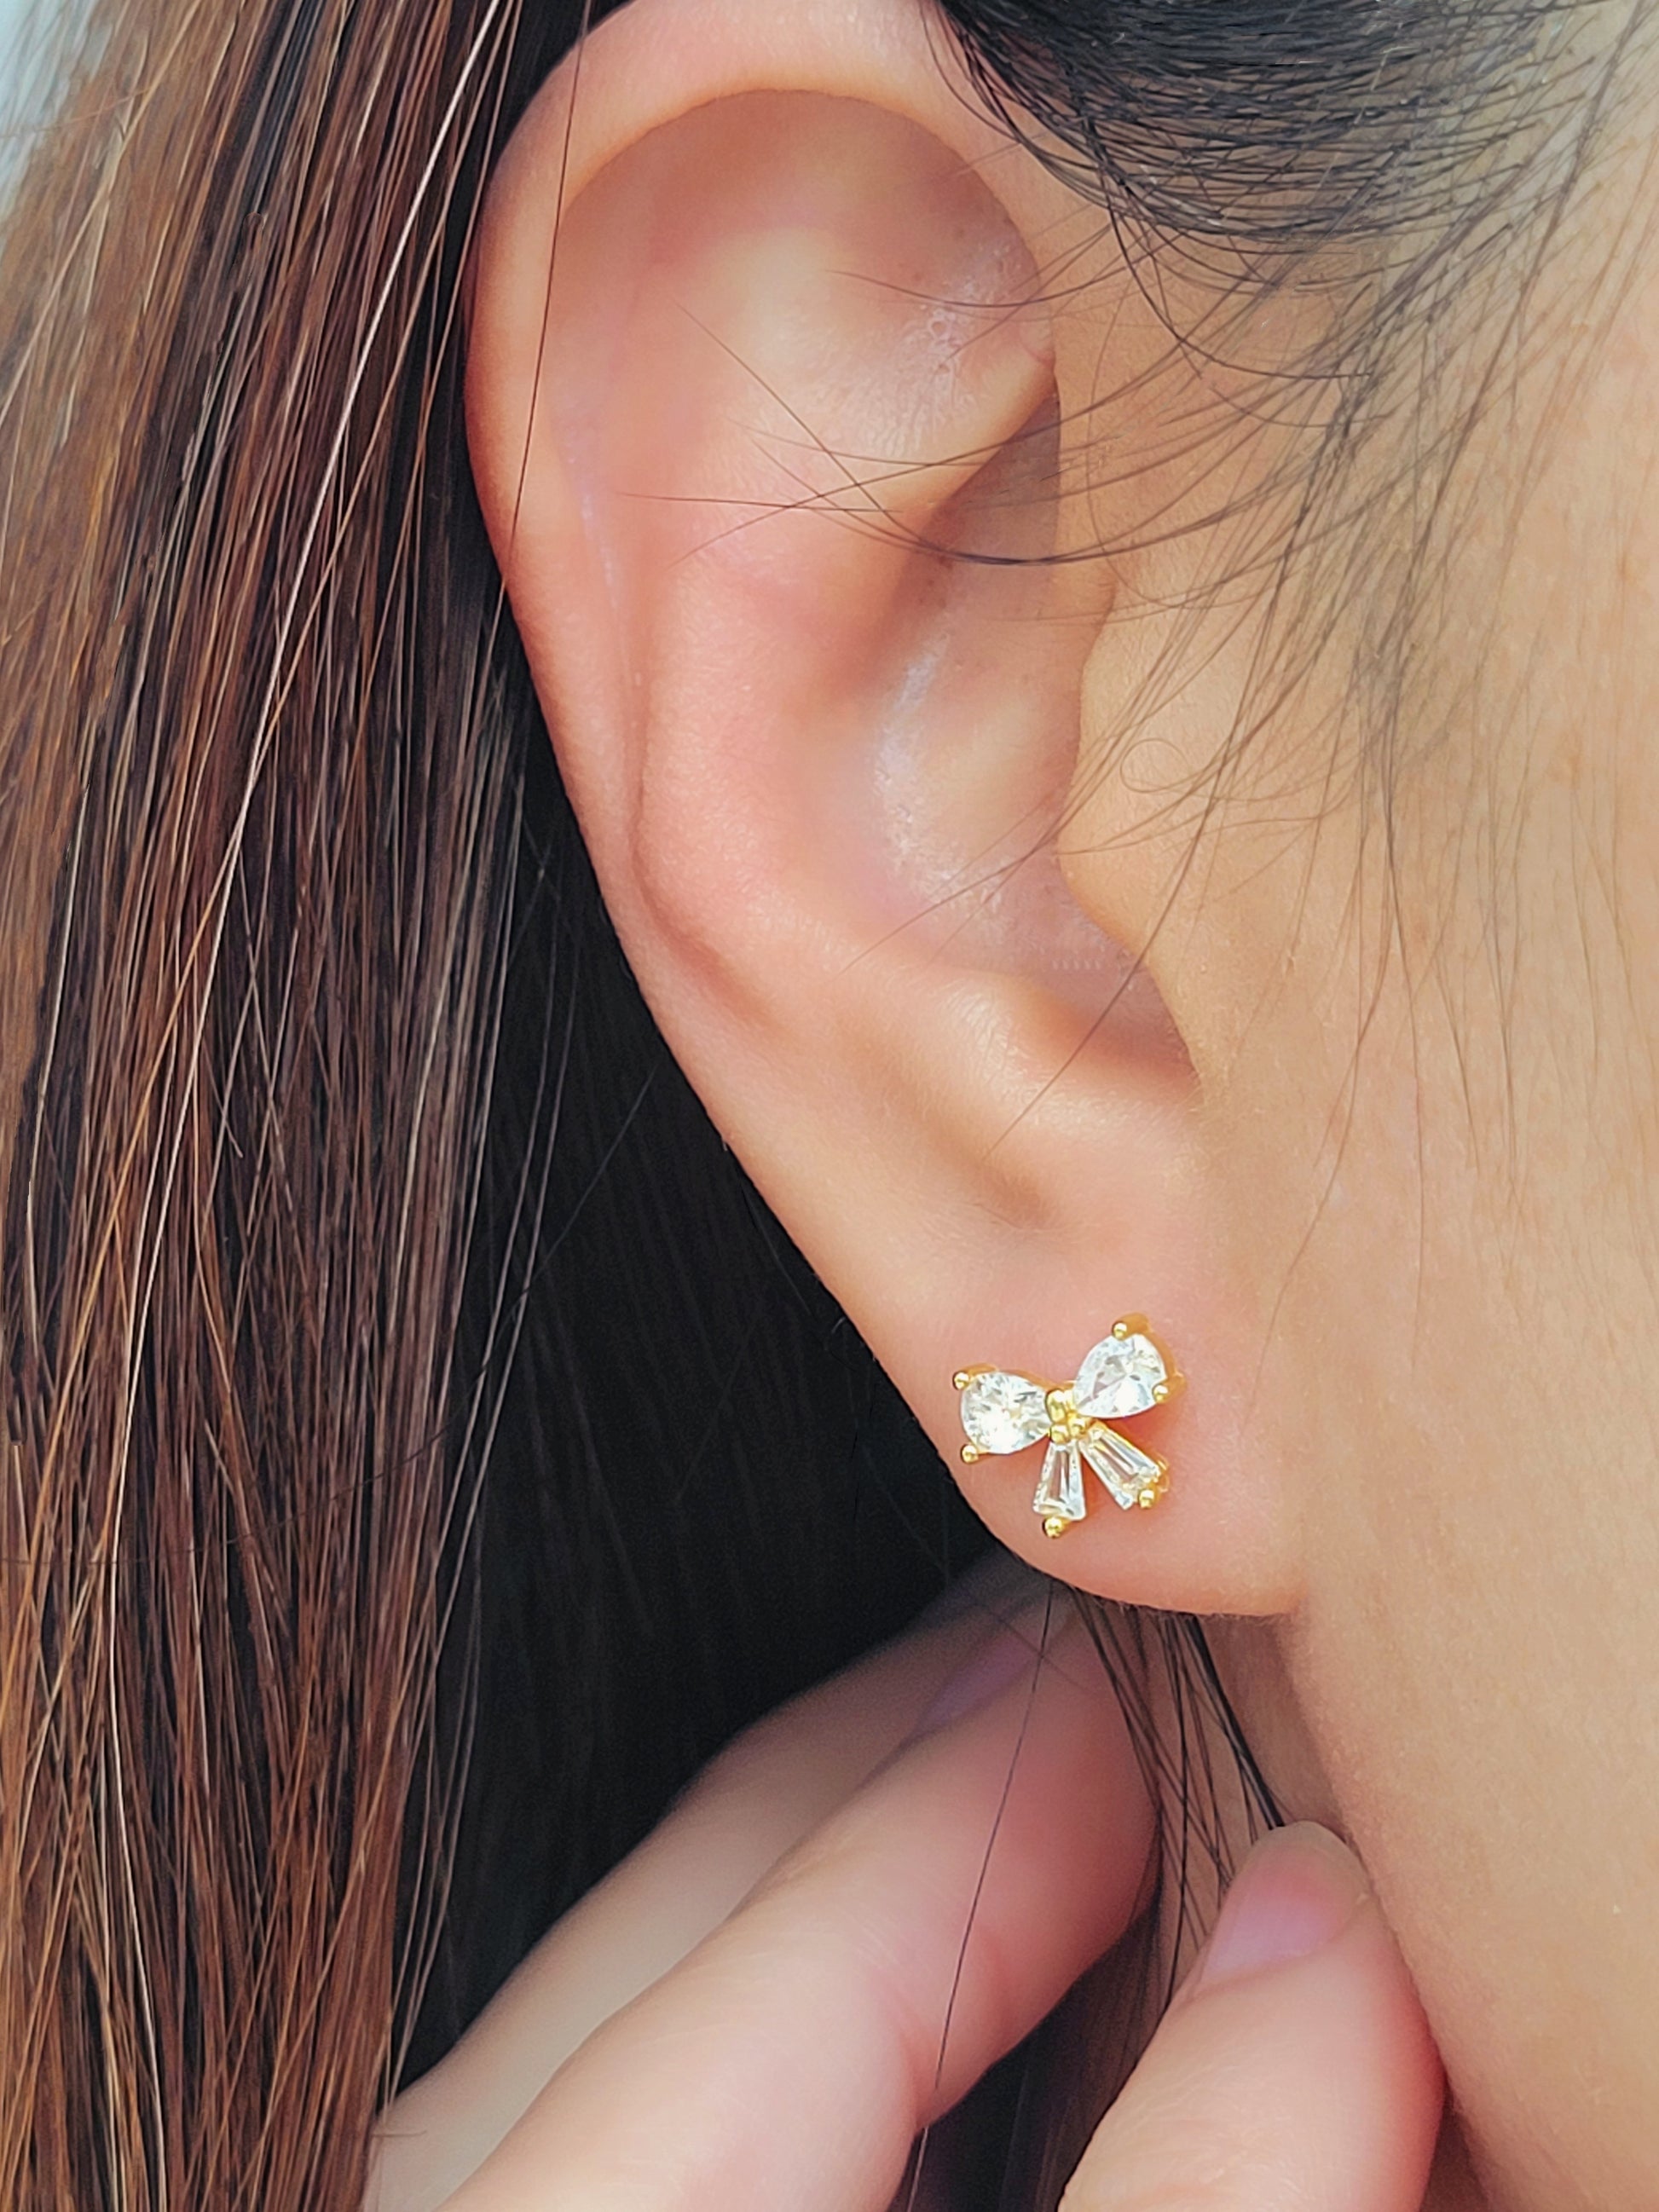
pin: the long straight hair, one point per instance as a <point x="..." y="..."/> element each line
<point x="361" y="1602"/>
<point x="350" y="1194"/>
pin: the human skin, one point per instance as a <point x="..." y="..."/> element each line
<point x="1428" y="1097"/>
<point x="865" y="1900"/>
<point x="1381" y="1163"/>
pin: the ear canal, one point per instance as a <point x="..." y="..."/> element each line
<point x="771" y="464"/>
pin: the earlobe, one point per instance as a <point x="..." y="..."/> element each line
<point x="767" y="443"/>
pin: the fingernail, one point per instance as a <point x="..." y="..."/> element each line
<point x="1012" y="1650"/>
<point x="1296" y="1892"/>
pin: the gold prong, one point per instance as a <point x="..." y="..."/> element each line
<point x="961" y="1379"/>
<point x="1120" y="1328"/>
<point x="1156" y="1485"/>
<point x="1160" y="1393"/>
<point x="1055" y="1526"/>
<point x="971" y="1453"/>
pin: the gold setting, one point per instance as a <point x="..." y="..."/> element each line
<point x="1070" y="1430"/>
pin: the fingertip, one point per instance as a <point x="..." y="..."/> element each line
<point x="1297" y="1891"/>
<point x="1296" y="2060"/>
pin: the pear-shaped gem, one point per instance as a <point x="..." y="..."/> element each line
<point x="1125" y="1469"/>
<point x="1004" y="1412"/>
<point x="1059" y="1494"/>
<point x="1120" y="1376"/>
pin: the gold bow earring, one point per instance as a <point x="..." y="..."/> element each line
<point x="1128" y="1373"/>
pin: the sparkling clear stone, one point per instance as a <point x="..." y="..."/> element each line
<point x="1119" y="1376"/>
<point x="1123" y="1466"/>
<point x="1004" y="1412"/>
<point x="1059" y="1494"/>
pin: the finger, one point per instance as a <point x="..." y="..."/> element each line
<point x="770" y="1788"/>
<point x="793" y="2057"/>
<point x="1295" y="2069"/>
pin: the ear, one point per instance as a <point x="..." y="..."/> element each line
<point x="765" y="397"/>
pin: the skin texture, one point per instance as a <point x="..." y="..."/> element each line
<point x="1371" y="1136"/>
<point x="720" y="2025"/>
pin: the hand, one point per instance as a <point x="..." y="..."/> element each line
<point x="749" y="2015"/>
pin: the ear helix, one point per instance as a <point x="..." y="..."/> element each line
<point x="1128" y="1373"/>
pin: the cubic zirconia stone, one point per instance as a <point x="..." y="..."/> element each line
<point x="1004" y="1412"/>
<point x="1059" y="1494"/>
<point x="1125" y="1470"/>
<point x="1119" y="1376"/>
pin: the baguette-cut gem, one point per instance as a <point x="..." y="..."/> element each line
<point x="1125" y="1470"/>
<point x="1004" y="1412"/>
<point x="1059" y="1494"/>
<point x="1120" y="1377"/>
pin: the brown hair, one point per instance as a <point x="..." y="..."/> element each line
<point x="323" y="1431"/>
<point x="324" y="1426"/>
<point x="258" y="922"/>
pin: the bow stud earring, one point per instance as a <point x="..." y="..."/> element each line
<point x="1126" y="1373"/>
